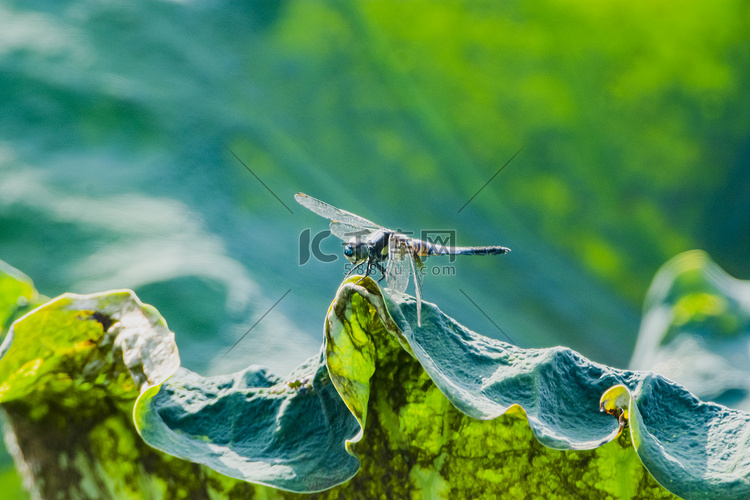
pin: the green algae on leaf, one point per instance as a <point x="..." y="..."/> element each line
<point x="357" y="313"/>
<point x="16" y="293"/>
<point x="69" y="376"/>
<point x="71" y="330"/>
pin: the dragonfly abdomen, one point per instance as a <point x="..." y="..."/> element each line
<point x="424" y="248"/>
<point x="478" y="250"/>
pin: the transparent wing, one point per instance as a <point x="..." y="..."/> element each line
<point x="348" y="231"/>
<point x="335" y="214"/>
<point x="399" y="268"/>
<point x="416" y="267"/>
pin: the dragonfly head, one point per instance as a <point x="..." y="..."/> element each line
<point x="356" y="251"/>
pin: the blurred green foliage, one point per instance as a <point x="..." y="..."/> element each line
<point x="635" y="149"/>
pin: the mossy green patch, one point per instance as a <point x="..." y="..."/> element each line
<point x="45" y="346"/>
<point x="69" y="375"/>
<point x="16" y="292"/>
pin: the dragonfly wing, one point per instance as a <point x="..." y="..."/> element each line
<point x="416" y="267"/>
<point x="348" y="231"/>
<point x="332" y="213"/>
<point x="398" y="270"/>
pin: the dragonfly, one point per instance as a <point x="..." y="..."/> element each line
<point x="371" y="245"/>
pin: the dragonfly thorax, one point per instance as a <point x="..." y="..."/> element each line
<point x="371" y="250"/>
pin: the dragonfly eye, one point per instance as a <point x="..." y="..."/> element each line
<point x="355" y="252"/>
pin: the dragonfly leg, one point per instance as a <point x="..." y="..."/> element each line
<point x="381" y="269"/>
<point x="353" y="269"/>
